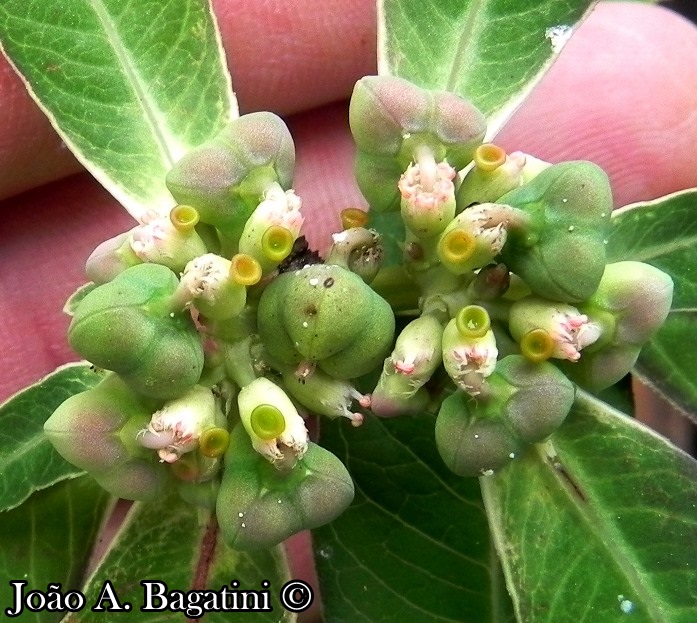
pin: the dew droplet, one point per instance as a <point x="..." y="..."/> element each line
<point x="487" y="472"/>
<point x="511" y="455"/>
<point x="571" y="228"/>
<point x="314" y="281"/>
<point x="244" y="525"/>
<point x="476" y="436"/>
<point x="240" y="514"/>
<point x="626" y="606"/>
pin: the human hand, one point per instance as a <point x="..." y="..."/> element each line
<point x="620" y="95"/>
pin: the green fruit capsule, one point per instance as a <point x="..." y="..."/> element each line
<point x="127" y="326"/>
<point x="317" y="314"/>
<point x="96" y="431"/>
<point x="260" y="506"/>
<point x="533" y="398"/>
<point x="225" y="178"/>
<point x="471" y="440"/>
<point x="392" y="120"/>
<point x="560" y="251"/>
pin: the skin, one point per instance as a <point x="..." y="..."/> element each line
<point x="623" y="94"/>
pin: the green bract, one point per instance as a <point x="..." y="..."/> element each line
<point x="128" y="326"/>
<point x="560" y="251"/>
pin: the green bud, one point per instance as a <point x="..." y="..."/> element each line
<point x="393" y="120"/>
<point x="226" y="178"/>
<point x="128" y="326"/>
<point x="359" y="250"/>
<point x="318" y="314"/>
<point x="259" y="506"/>
<point x="168" y="239"/>
<point x="469" y="349"/>
<point x="97" y="430"/>
<point x="471" y="440"/>
<point x="546" y="329"/>
<point x="416" y="356"/>
<point x="272" y="421"/>
<point x="560" y="251"/>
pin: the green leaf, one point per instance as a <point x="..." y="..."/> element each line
<point x="414" y="545"/>
<point x="599" y="524"/>
<point x="48" y="540"/>
<point x="130" y="86"/>
<point x="664" y="233"/>
<point x="492" y="52"/>
<point x="28" y="461"/>
<point x="170" y="541"/>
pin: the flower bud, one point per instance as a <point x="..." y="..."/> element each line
<point x="428" y="196"/>
<point x="392" y="120"/>
<point x="317" y="314"/>
<point x="469" y="349"/>
<point x="416" y="356"/>
<point x="168" y="239"/>
<point x="225" y="177"/>
<point x="358" y="250"/>
<point x="545" y="329"/>
<point x="271" y="420"/>
<point x="259" y="506"/>
<point x="110" y="258"/>
<point x="560" y="251"/>
<point x="473" y="239"/>
<point x="493" y="175"/>
<point x="128" y="326"/>
<point x="96" y="431"/>
<point x="320" y="393"/>
<point x="214" y="291"/>
<point x="280" y="210"/>
<point x="175" y="429"/>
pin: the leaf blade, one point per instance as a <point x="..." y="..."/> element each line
<point x="611" y="536"/>
<point x="28" y="461"/>
<point x="48" y="539"/>
<point x="413" y="538"/>
<point x="122" y="101"/>
<point x="485" y="50"/>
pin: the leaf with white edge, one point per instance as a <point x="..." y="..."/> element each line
<point x="492" y="52"/>
<point x="664" y="233"/>
<point x="28" y="461"/>
<point x="76" y="298"/>
<point x="172" y="542"/>
<point x="414" y="545"/>
<point x="130" y="86"/>
<point x="48" y="540"/>
<point x="599" y="524"/>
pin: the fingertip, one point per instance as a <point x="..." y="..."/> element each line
<point x="294" y="55"/>
<point x="622" y="94"/>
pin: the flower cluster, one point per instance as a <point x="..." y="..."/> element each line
<point x="219" y="332"/>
